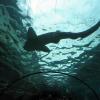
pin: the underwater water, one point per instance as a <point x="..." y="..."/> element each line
<point x="71" y="71"/>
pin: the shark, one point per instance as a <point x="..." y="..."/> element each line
<point x="36" y="42"/>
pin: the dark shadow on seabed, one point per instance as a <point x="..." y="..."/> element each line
<point x="50" y="92"/>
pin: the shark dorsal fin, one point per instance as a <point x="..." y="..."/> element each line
<point x="31" y="34"/>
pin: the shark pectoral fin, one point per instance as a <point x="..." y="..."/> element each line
<point x="31" y="34"/>
<point x="56" y="40"/>
<point x="45" y="49"/>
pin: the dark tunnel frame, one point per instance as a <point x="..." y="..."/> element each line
<point x="42" y="72"/>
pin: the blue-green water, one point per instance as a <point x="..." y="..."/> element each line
<point x="72" y="65"/>
<point x="75" y="57"/>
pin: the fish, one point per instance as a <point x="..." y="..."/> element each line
<point x="32" y="43"/>
<point x="38" y="43"/>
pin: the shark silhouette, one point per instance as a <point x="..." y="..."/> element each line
<point x="39" y="43"/>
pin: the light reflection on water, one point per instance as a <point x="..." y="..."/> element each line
<point x="68" y="55"/>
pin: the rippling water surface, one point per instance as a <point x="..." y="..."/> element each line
<point x="78" y="57"/>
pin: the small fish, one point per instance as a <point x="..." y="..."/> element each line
<point x="39" y="43"/>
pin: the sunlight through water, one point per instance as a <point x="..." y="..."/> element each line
<point x="63" y="15"/>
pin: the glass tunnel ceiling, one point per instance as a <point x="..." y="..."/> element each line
<point x="63" y="15"/>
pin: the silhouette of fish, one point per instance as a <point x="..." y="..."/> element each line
<point x="39" y="43"/>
